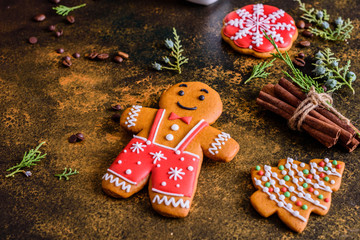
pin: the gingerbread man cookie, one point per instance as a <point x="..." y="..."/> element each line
<point x="294" y="189"/>
<point x="244" y="30"/>
<point x="169" y="147"/>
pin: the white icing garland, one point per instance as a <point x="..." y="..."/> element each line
<point x="221" y="139"/>
<point x="116" y="180"/>
<point x="254" y="25"/>
<point x="132" y="116"/>
<point x="171" y="201"/>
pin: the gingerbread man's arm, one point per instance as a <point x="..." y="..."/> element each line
<point x="218" y="145"/>
<point x="136" y="118"/>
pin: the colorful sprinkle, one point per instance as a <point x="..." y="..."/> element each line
<point x="261" y="172"/>
<point x="338" y="166"/>
<point x="327" y="200"/>
<point x="281" y="167"/>
<point x="334" y="162"/>
<point x="286" y="178"/>
<point x="267" y="184"/>
<point x="257" y="168"/>
<point x="326" y="179"/>
<point x="271" y="189"/>
<point x="283" y="189"/>
<point x="320" y="196"/>
<point x="287" y="194"/>
<point x="326" y="168"/>
<point x="310" y="176"/>
<point x="311" y="189"/>
<point x="298" y="203"/>
<point x="305" y="185"/>
<point x="305" y="207"/>
<point x="321" y="164"/>
<point x="305" y="171"/>
<point x="322" y="175"/>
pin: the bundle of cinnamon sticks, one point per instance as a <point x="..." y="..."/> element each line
<point x="283" y="99"/>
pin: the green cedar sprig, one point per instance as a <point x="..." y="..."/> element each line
<point x="259" y="70"/>
<point x="64" y="10"/>
<point x="176" y="53"/>
<point x="29" y="159"/>
<point x="322" y="27"/>
<point x="302" y="80"/>
<point x="66" y="174"/>
<point x="327" y="68"/>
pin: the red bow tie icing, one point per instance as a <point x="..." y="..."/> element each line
<point x="174" y="116"/>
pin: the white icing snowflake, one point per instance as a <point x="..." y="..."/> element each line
<point x="157" y="156"/>
<point x="137" y="147"/>
<point x="176" y="173"/>
<point x="254" y="24"/>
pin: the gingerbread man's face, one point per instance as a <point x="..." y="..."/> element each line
<point x="194" y="99"/>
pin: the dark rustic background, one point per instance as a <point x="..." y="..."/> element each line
<point x="40" y="100"/>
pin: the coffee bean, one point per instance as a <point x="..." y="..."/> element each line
<point x="67" y="58"/>
<point x="70" y="19"/>
<point x="80" y="137"/>
<point x="76" y="55"/>
<point x="59" y="33"/>
<point x="39" y="17"/>
<point x="67" y="62"/>
<point x="118" y="59"/>
<point x="73" y="138"/>
<point x="33" y="40"/>
<point x="300" y="24"/>
<point x="93" y="55"/>
<point x="60" y="50"/>
<point x="117" y="107"/>
<point x="305" y="44"/>
<point x="307" y="25"/>
<point x="115" y="117"/>
<point x="301" y="55"/>
<point x="123" y="55"/>
<point x="52" y="28"/>
<point x="102" y="56"/>
<point x="55" y="1"/>
<point x="307" y="33"/>
<point x="299" y="62"/>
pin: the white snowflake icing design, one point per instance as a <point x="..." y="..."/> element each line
<point x="137" y="147"/>
<point x="157" y="156"/>
<point x="254" y="25"/>
<point x="176" y="173"/>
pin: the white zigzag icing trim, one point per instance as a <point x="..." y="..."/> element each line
<point x="113" y="179"/>
<point x="171" y="201"/>
<point x="222" y="137"/>
<point x="132" y="116"/>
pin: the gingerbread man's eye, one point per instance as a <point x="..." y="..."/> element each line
<point x="181" y="93"/>
<point x="202" y="97"/>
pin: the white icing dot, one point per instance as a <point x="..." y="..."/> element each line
<point x="190" y="168"/>
<point x="294" y="166"/>
<point x="313" y="171"/>
<point x="320" y="169"/>
<point x="194" y="159"/>
<point x="333" y="170"/>
<point x="182" y="159"/>
<point x="267" y="174"/>
<point x="282" y="182"/>
<point x="158" y="165"/>
<point x="295" y="180"/>
<point x="265" y="189"/>
<point x="257" y="182"/>
<point x="250" y="47"/>
<point x="280" y="204"/>
<point x="328" y="172"/>
<point x="119" y="162"/>
<point x="316" y="185"/>
<point x="281" y="197"/>
<point x="264" y="179"/>
<point x="296" y="213"/>
<point x="302" y="164"/>
<point x="175" y="127"/>
<point x="328" y="188"/>
<point x="326" y="160"/>
<point x="177" y="152"/>
<point x="125" y="151"/>
<point x="317" y="202"/>
<point x="287" y="165"/>
<point x="163" y="184"/>
<point x="276" y="190"/>
<point x="267" y="168"/>
<point x="169" y="137"/>
<point x="293" y="198"/>
<point x="291" y="173"/>
<point x="274" y="174"/>
<point x="300" y="195"/>
<point x="290" y="160"/>
<point x="216" y="152"/>
<point x="148" y="142"/>
<point x="301" y="179"/>
<point x="291" y="189"/>
<point x="332" y="181"/>
<point x="316" y="192"/>
<point x="128" y="171"/>
<point x="138" y="163"/>
<point x="308" y="195"/>
<point x="272" y="182"/>
<point x="177" y="185"/>
<point x="329" y="164"/>
<point x="321" y="182"/>
<point x="272" y="197"/>
<point x="300" y="174"/>
<point x="316" y="177"/>
<point x="283" y="172"/>
<point x="300" y="188"/>
<point x="289" y="205"/>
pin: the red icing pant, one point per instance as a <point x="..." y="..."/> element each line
<point x="173" y="170"/>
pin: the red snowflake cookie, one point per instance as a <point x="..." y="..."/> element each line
<point x="244" y="30"/>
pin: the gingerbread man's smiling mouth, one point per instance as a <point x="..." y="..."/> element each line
<point x="187" y="108"/>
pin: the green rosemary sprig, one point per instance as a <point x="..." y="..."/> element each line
<point x="29" y="159"/>
<point x="176" y="53"/>
<point x="259" y="70"/>
<point x="66" y="174"/>
<point x="327" y="68"/>
<point x="322" y="27"/>
<point x="64" y="10"/>
<point x="302" y="80"/>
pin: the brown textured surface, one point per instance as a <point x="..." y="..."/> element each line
<point x="41" y="100"/>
